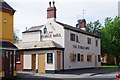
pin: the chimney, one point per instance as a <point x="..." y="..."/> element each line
<point x="81" y="24"/>
<point x="51" y="11"/>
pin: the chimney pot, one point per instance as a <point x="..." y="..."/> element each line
<point x="53" y="3"/>
<point x="51" y="11"/>
<point x="50" y="4"/>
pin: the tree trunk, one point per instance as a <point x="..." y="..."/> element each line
<point x="117" y="60"/>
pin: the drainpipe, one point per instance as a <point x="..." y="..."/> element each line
<point x="63" y="59"/>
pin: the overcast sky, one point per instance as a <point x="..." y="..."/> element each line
<point x="33" y="12"/>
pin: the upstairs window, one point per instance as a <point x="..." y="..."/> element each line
<point x="89" y="40"/>
<point x="45" y="30"/>
<point x="77" y="40"/>
<point x="5" y="20"/>
<point x="72" y="37"/>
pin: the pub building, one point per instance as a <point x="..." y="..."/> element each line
<point x="56" y="46"/>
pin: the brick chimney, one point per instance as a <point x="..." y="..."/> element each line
<point x="81" y="24"/>
<point x="51" y="11"/>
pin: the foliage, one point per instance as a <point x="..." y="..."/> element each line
<point x="110" y="37"/>
<point x="109" y="66"/>
<point x="16" y="38"/>
<point x="94" y="27"/>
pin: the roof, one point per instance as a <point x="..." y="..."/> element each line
<point x="34" y="28"/>
<point x="38" y="45"/>
<point x="6" y="7"/>
<point x="7" y="45"/>
<point x="66" y="26"/>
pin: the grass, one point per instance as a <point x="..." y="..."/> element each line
<point x="111" y="66"/>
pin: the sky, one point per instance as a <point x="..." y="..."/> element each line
<point x="33" y="12"/>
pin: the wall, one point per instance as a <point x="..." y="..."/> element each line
<point x="27" y="61"/>
<point x="19" y="66"/>
<point x="53" y="29"/>
<point x="7" y="28"/>
<point x="93" y="50"/>
<point x="31" y="36"/>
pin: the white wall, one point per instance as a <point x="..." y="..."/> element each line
<point x="55" y="29"/>
<point x="93" y="50"/>
<point x="27" y="61"/>
<point x="31" y="36"/>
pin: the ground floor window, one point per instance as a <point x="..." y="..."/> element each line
<point x="89" y="58"/>
<point x="78" y="57"/>
<point x="82" y="58"/>
<point x="18" y="59"/>
<point x="73" y="57"/>
<point x="49" y="58"/>
<point x="99" y="58"/>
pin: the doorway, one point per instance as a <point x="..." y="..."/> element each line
<point x="58" y="60"/>
<point x="33" y="62"/>
<point x="41" y="63"/>
<point x="95" y="61"/>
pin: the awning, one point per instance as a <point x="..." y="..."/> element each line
<point x="7" y="45"/>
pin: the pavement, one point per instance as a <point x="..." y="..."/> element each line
<point x="81" y="74"/>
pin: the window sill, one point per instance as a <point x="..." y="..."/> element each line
<point x="18" y="62"/>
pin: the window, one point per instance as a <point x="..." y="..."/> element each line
<point x="96" y="42"/>
<point x="89" y="40"/>
<point x="82" y="58"/>
<point x="18" y="59"/>
<point x="89" y="58"/>
<point x="99" y="58"/>
<point x="45" y="30"/>
<point x="49" y="58"/>
<point x="78" y="57"/>
<point x="5" y="21"/>
<point x="77" y="40"/>
<point x="73" y="57"/>
<point x="72" y="37"/>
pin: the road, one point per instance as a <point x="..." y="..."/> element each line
<point x="86" y="74"/>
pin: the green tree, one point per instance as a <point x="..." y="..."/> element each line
<point x="94" y="27"/>
<point x="110" y="38"/>
<point x="16" y="38"/>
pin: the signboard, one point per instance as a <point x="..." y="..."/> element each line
<point x="51" y="35"/>
<point x="80" y="47"/>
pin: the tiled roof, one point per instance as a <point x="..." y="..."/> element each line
<point x="6" y="6"/>
<point x="66" y="26"/>
<point x="38" y="45"/>
<point x="7" y="45"/>
<point x="34" y="28"/>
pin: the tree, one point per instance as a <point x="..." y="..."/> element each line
<point x="94" y="27"/>
<point x="110" y="38"/>
<point x="16" y="38"/>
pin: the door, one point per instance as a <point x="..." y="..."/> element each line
<point x="41" y="63"/>
<point x="95" y="61"/>
<point x="58" y="60"/>
<point x="9" y="63"/>
<point x="33" y="62"/>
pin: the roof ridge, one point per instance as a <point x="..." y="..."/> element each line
<point x="66" y="26"/>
